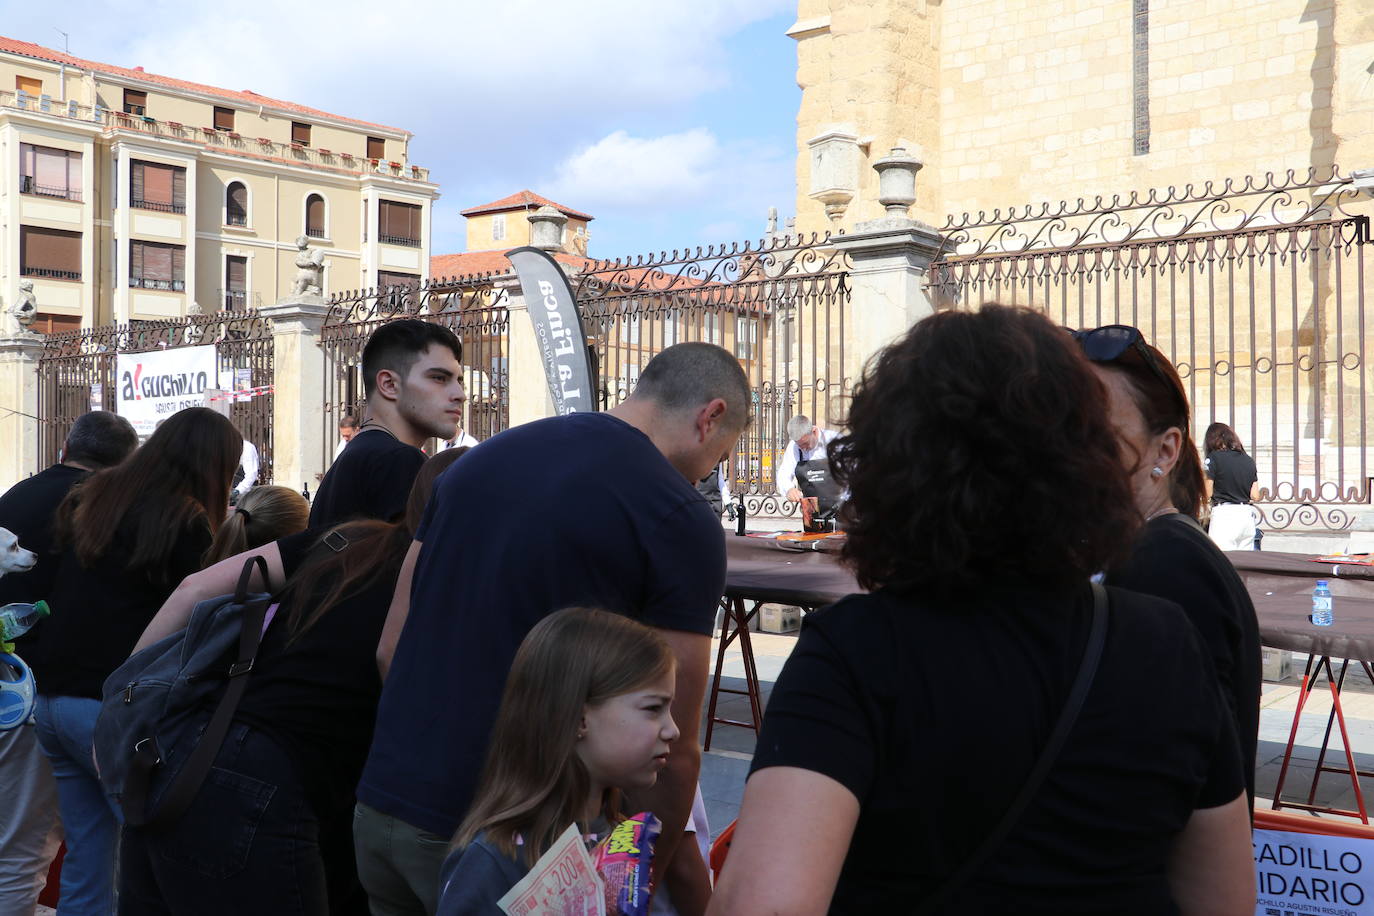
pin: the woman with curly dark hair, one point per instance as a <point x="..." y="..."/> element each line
<point x="1173" y="558"/>
<point x="986" y="489"/>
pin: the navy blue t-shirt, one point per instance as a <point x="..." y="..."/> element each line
<point x="581" y="510"/>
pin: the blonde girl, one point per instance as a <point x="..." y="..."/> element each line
<point x="263" y="515"/>
<point x="585" y="713"/>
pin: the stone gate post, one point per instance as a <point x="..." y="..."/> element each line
<point x="890" y="256"/>
<point x="19" y="430"/>
<point x="298" y="390"/>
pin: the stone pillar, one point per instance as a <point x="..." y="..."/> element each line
<point x="19" y="430"/>
<point x="528" y="389"/>
<point x="887" y="285"/>
<point x="298" y="451"/>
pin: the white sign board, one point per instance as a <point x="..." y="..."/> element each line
<point x="152" y="386"/>
<point x="1303" y="874"/>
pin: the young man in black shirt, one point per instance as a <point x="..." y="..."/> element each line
<point x="29" y="834"/>
<point x="412" y="376"/>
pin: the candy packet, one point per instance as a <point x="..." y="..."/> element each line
<point x="623" y="861"/>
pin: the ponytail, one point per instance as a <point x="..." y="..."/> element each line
<point x="1186" y="486"/>
<point x="264" y="514"/>
<point x="230" y="540"/>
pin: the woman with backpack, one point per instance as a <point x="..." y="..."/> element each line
<point x="130" y="533"/>
<point x="270" y="829"/>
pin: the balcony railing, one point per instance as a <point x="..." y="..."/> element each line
<point x="160" y="207"/>
<point x="27" y="185"/>
<point x="315" y="232"/>
<point x="236" y="219"/>
<point x="398" y="240"/>
<point x="49" y="273"/>
<point x="216" y="138"/>
<point x="176" y="286"/>
<point x="238" y="299"/>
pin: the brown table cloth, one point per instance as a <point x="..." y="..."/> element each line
<point x="760" y="569"/>
<point x="1280" y="585"/>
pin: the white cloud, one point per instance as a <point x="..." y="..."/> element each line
<point x="621" y="170"/>
<point x="437" y="57"/>
<point x="636" y="179"/>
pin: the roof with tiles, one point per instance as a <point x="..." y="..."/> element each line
<point x="524" y="200"/>
<point x="245" y="97"/>
<point x="469" y="263"/>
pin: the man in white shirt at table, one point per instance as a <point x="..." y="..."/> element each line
<point x="461" y="437"/>
<point x="804" y="470"/>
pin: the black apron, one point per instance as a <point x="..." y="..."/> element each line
<point x="813" y="479"/>
<point x="709" y="486"/>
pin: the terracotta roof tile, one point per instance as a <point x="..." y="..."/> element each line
<point x="468" y="263"/>
<point x="524" y="200"/>
<point x="245" y="97"/>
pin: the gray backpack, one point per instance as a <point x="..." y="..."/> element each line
<point x="151" y="757"/>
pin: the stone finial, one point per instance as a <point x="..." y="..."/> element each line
<point x="546" y="228"/>
<point x="772" y="220"/>
<point x="897" y="181"/>
<point x="25" y="308"/>
<point x="309" y="270"/>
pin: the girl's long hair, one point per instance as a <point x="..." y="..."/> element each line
<point x="534" y="784"/>
<point x="178" y="478"/>
<point x="263" y="514"/>
<point x="360" y="554"/>
<point x="1221" y="438"/>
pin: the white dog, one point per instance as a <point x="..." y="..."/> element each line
<point x="13" y="558"/>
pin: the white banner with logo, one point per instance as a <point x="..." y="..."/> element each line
<point x="150" y="387"/>
<point x="1307" y="874"/>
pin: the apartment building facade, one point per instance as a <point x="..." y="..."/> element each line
<point x="130" y="196"/>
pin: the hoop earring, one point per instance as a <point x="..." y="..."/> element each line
<point x="1156" y="472"/>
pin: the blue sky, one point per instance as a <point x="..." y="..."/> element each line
<point x="673" y="127"/>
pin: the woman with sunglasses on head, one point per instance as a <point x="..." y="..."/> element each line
<point x="1232" y="487"/>
<point x="1173" y="557"/>
<point x="985" y="490"/>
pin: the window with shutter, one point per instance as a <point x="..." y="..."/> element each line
<point x="236" y="204"/>
<point x="235" y="282"/>
<point x="498" y="227"/>
<point x="135" y="102"/>
<point x="157" y="266"/>
<point x="224" y="118"/>
<point x="49" y="172"/>
<point x="300" y="133"/>
<point x="158" y="187"/>
<point x="314" y="217"/>
<point x="399" y="223"/>
<point x="29" y="85"/>
<point x="50" y="253"/>
<point x="376" y="148"/>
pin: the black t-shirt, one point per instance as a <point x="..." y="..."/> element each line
<point x="576" y="510"/>
<point x="881" y="695"/>
<point x="317" y="696"/>
<point x="29" y="511"/>
<point x="1233" y="474"/>
<point x="370" y="479"/>
<point x="1175" y="559"/>
<point x="98" y="612"/>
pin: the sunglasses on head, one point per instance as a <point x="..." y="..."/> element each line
<point x="1109" y="343"/>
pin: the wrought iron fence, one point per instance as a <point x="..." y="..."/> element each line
<point x="76" y="372"/>
<point x="781" y="307"/>
<point x="474" y="308"/>
<point x="1254" y="289"/>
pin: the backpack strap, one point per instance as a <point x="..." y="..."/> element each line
<point x="188" y="781"/>
<point x="1087" y="670"/>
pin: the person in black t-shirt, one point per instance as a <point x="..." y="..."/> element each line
<point x="29" y="830"/>
<point x="303" y="728"/>
<point x="1232" y="485"/>
<point x="985" y="488"/>
<point x="129" y="533"/>
<point x="412" y="376"/>
<point x="1173" y="558"/>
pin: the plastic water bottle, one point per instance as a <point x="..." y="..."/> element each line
<point x="1321" y="604"/>
<point x="18" y="618"/>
